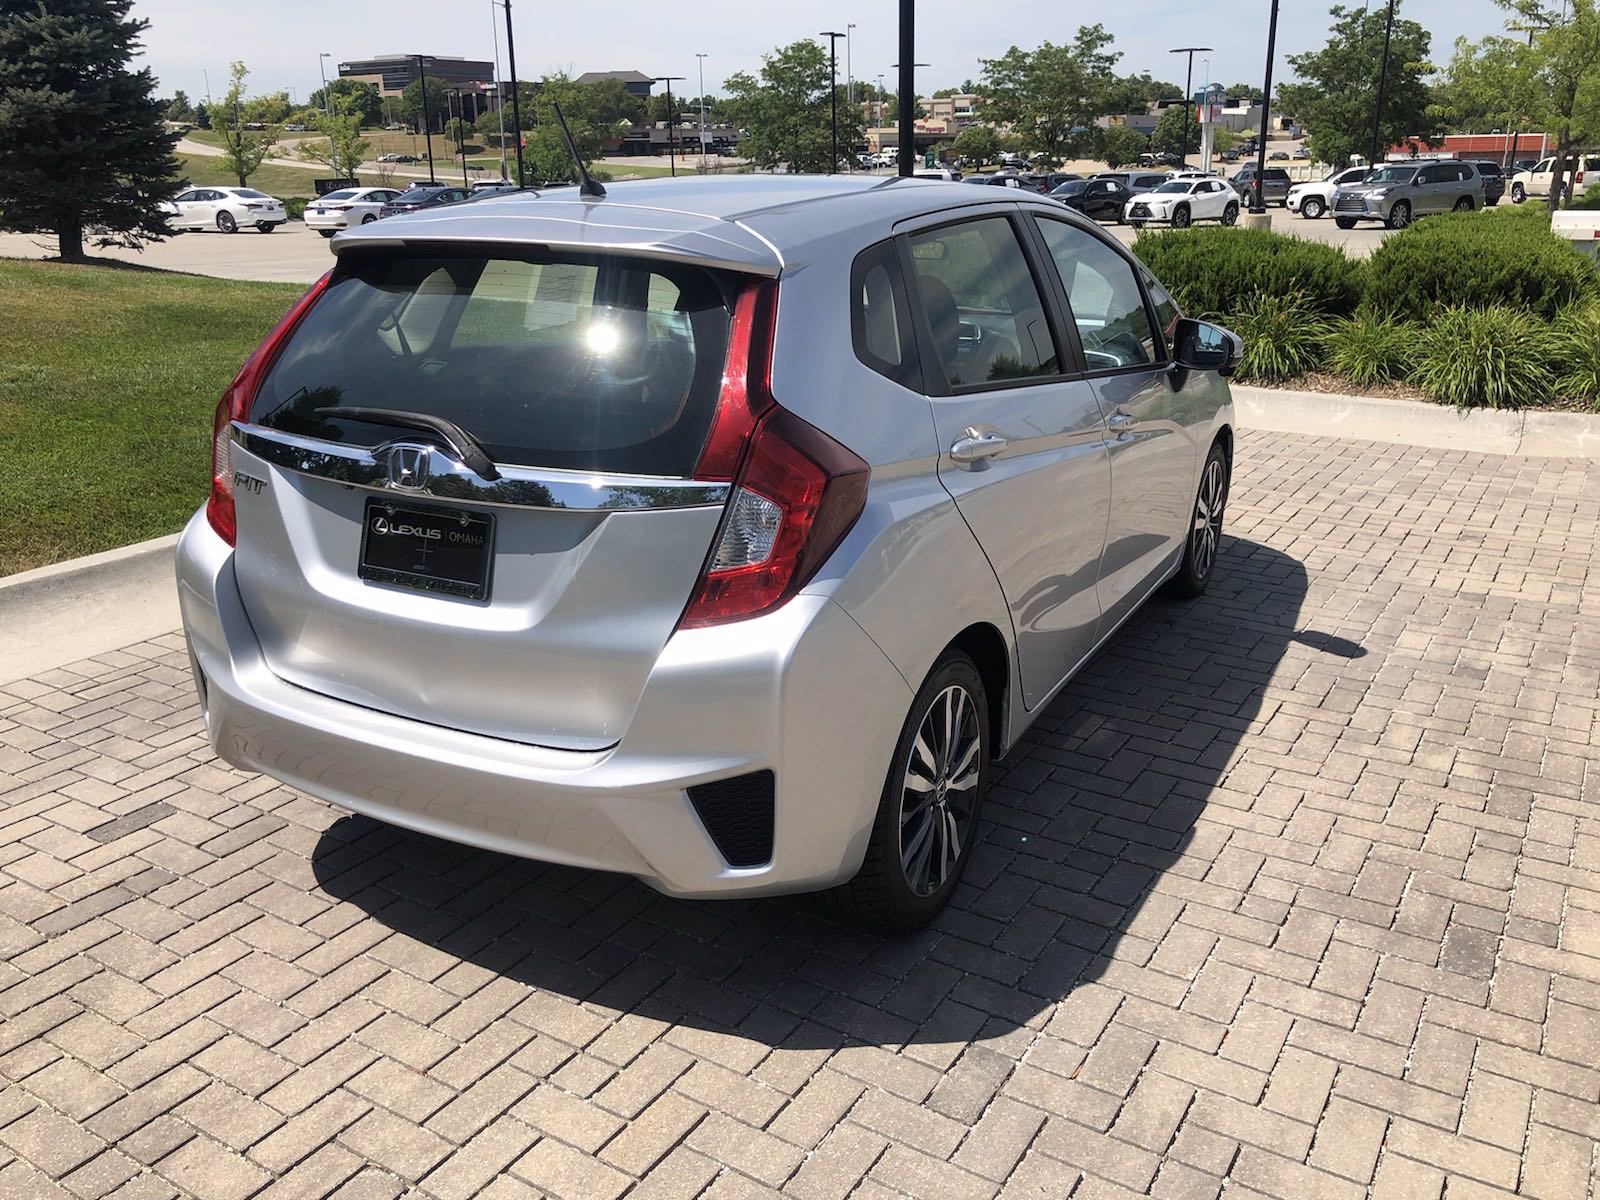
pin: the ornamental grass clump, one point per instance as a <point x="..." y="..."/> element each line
<point x="1370" y="348"/>
<point x="1495" y="357"/>
<point x="1283" y="337"/>
<point x="1575" y="352"/>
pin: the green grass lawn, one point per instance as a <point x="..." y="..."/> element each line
<point x="108" y="380"/>
<point x="271" y="178"/>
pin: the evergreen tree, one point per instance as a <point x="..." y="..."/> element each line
<point x="82" y="145"/>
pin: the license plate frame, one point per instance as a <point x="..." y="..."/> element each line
<point x="400" y="539"/>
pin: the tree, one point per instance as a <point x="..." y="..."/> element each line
<point x="179" y="109"/>
<point x="1052" y="96"/>
<point x="356" y="97"/>
<point x="1338" y="86"/>
<point x="978" y="144"/>
<point x="202" y="117"/>
<point x="1245" y="91"/>
<point x="242" y="149"/>
<point x="345" y="149"/>
<point x="1122" y="146"/>
<point x="1168" y="135"/>
<point x="788" y="110"/>
<point x="82" y="145"/>
<point x="1565" y="91"/>
<point x="411" y="103"/>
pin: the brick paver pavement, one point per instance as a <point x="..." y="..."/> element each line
<point x="1295" y="892"/>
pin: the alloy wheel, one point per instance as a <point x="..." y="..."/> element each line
<point x="1207" y="532"/>
<point x="939" y="794"/>
<point x="1400" y="216"/>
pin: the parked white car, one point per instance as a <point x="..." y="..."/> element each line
<point x="226" y="209"/>
<point x="1537" y="181"/>
<point x="346" y="208"/>
<point x="1314" y="197"/>
<point x="1181" y="202"/>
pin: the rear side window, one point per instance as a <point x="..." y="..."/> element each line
<point x="983" y="309"/>
<point x="880" y="323"/>
<point x="585" y="363"/>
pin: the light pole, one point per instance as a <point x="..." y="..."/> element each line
<point x="499" y="94"/>
<point x="702" y="59"/>
<point x="882" y="92"/>
<point x="1258" y="200"/>
<point x="1188" y="95"/>
<point x="516" y="100"/>
<point x="672" y="129"/>
<point x="1383" y="78"/>
<point x="907" y="100"/>
<point x="461" y="146"/>
<point x="327" y="108"/>
<point x="849" y="80"/>
<point x="427" y="115"/>
<point x="833" y="95"/>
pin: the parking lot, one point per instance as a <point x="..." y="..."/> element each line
<point x="297" y="254"/>
<point x="1293" y="891"/>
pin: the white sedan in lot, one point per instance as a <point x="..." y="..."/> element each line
<point x="226" y="209"/>
<point x="346" y="209"/>
<point x="1181" y="202"/>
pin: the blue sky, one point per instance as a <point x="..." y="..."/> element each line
<point x="280" y="41"/>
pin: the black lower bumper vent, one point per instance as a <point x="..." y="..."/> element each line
<point x="737" y="813"/>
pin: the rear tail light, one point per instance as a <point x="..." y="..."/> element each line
<point x="796" y="491"/>
<point x="235" y="406"/>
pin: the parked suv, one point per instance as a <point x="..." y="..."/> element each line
<point x="1312" y="199"/>
<point x="1494" y="182"/>
<point x="585" y="529"/>
<point x="1274" y="183"/>
<point x="1398" y="193"/>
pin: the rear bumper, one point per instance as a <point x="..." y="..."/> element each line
<point x="802" y="692"/>
<point x="329" y="221"/>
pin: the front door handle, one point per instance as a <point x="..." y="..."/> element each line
<point x="1121" y="421"/>
<point x="977" y="444"/>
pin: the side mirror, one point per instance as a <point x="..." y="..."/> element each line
<point x="1204" y="347"/>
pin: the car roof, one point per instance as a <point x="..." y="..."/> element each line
<point x="754" y="224"/>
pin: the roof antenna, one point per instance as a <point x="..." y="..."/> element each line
<point x="586" y="184"/>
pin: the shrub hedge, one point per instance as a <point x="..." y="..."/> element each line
<point x="1218" y="270"/>
<point x="1467" y="259"/>
<point x="1474" y="310"/>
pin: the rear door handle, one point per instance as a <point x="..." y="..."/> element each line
<point x="977" y="444"/>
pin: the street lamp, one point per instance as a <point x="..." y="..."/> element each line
<point x="1188" y="95"/>
<point x="1258" y="199"/>
<point x="427" y="115"/>
<point x="516" y="101"/>
<point x="907" y="100"/>
<point x="1383" y="76"/>
<point x="702" y="59"/>
<point x="849" y="79"/>
<point x="833" y="95"/>
<point x="327" y="107"/>
<point x="499" y="95"/>
<point x="672" y="129"/>
<point x="461" y="146"/>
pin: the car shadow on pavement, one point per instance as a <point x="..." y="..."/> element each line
<point x="1089" y="813"/>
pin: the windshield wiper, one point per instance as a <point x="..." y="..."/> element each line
<point x="456" y="439"/>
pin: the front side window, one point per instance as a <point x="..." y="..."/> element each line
<point x="594" y="363"/>
<point x="1107" y="305"/>
<point x="983" y="308"/>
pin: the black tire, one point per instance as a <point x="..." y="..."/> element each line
<point x="1345" y="222"/>
<point x="265" y="226"/>
<point x="1230" y="214"/>
<point x="881" y="895"/>
<point x="226" y="223"/>
<point x="1399" y="215"/>
<point x="1465" y="204"/>
<point x="1491" y="203"/>
<point x="1518" y="193"/>
<point x="1202" y="544"/>
<point x="1180" y="217"/>
<point x="368" y="219"/>
<point x="1312" y="208"/>
<point x="327" y="233"/>
<point x="1284" y="203"/>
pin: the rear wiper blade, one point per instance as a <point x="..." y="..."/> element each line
<point x="456" y="439"/>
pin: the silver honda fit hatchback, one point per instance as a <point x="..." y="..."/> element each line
<point x="722" y="532"/>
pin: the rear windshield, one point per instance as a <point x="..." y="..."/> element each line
<point x="584" y="363"/>
<point x="251" y="194"/>
<point x="344" y="195"/>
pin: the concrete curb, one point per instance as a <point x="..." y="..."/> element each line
<point x="77" y="609"/>
<point x="1532" y="434"/>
